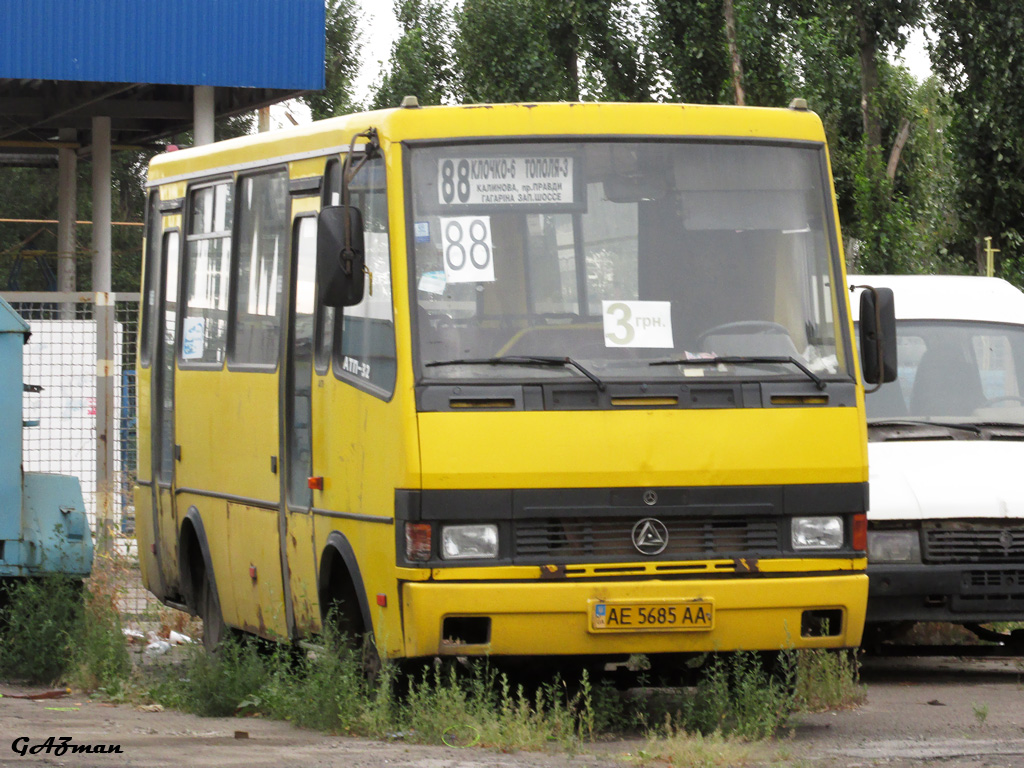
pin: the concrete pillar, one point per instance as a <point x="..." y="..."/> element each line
<point x="67" y="209"/>
<point x="104" y="314"/>
<point x="202" y="114"/>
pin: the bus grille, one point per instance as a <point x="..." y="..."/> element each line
<point x="611" y="538"/>
<point x="959" y="543"/>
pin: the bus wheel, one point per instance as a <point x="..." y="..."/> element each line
<point x="215" y="631"/>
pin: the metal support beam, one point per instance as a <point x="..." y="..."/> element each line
<point x="203" y="113"/>
<point x="104" y="314"/>
<point x="67" y="211"/>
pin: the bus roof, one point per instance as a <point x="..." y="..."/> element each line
<point x="494" y="120"/>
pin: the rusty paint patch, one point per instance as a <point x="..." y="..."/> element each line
<point x="746" y="565"/>
<point x="259" y="617"/>
<point x="552" y="571"/>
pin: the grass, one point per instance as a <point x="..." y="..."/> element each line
<point x="828" y="680"/>
<point x="55" y="630"/>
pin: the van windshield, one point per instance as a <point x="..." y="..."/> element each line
<point x="969" y="372"/>
<point x="620" y="254"/>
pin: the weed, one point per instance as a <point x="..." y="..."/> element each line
<point x="737" y="695"/>
<point x="221" y="684"/>
<point x="100" y="659"/>
<point x="828" y="679"/>
<point x="676" y="746"/>
<point x="980" y="713"/>
<point x="38" y="625"/>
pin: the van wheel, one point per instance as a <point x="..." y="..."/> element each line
<point x="215" y="631"/>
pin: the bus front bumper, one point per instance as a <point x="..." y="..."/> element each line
<point x="611" y="617"/>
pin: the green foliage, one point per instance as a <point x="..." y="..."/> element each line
<point x="737" y="695"/>
<point x="505" y="52"/>
<point x="221" y="684"/>
<point x="39" y="622"/>
<point x="689" y="37"/>
<point x="100" y="659"/>
<point x="341" y="60"/>
<point x="421" y="61"/>
<point x="828" y="680"/>
<point x="676" y="746"/>
<point x="978" y="56"/>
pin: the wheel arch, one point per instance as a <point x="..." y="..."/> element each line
<point x="339" y="570"/>
<point x="194" y="560"/>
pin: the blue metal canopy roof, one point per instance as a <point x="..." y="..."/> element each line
<point x="249" y="43"/>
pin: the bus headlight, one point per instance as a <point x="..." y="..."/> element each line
<point x="894" y="547"/>
<point x="469" y="542"/>
<point x="817" y="532"/>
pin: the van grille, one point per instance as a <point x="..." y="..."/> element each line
<point x="971" y="543"/>
<point x="611" y="538"/>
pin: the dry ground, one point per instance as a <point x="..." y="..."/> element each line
<point x="921" y="713"/>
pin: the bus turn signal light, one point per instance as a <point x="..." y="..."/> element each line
<point x="860" y="533"/>
<point x="418" y="542"/>
<point x="315" y="483"/>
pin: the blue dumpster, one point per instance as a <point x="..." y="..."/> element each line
<point x="43" y="524"/>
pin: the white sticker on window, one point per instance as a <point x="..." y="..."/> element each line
<point x="467" y="250"/>
<point x="193" y="338"/>
<point x="432" y="282"/>
<point x="638" y="324"/>
<point x="546" y="181"/>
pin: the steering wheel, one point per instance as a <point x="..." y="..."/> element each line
<point x="1003" y="399"/>
<point x="744" y="326"/>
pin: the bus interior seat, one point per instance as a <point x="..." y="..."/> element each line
<point x="946" y="384"/>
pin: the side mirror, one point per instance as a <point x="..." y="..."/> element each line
<point x="340" y="257"/>
<point x="878" y="335"/>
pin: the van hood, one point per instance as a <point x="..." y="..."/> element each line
<point x="922" y="479"/>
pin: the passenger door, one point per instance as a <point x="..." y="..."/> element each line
<point x="297" y="415"/>
<point x="162" y="414"/>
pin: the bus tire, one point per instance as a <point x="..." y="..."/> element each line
<point x="215" y="630"/>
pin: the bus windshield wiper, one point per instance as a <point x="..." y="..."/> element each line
<point x="522" y="360"/>
<point x="921" y="423"/>
<point x="744" y="360"/>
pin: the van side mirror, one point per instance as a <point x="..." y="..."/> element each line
<point x="878" y="335"/>
<point x="340" y="256"/>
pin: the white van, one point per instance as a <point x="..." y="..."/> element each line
<point x="946" y="456"/>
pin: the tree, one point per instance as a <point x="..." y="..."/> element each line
<point x="979" y="58"/>
<point x="689" y="39"/>
<point x="421" y="62"/>
<point x="505" y="51"/>
<point x="341" y="61"/>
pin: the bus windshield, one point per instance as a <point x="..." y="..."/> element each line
<point x="637" y="260"/>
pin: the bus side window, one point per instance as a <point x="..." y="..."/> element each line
<point x="204" y="326"/>
<point x="330" y="194"/>
<point x="365" y="352"/>
<point x="262" y="227"/>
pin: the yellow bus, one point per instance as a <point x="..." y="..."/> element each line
<point x="510" y="380"/>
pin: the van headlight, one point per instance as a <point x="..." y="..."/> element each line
<point x="817" y="532"/>
<point x="469" y="542"/>
<point x="894" y="547"/>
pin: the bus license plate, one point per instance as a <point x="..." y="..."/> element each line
<point x="692" y="615"/>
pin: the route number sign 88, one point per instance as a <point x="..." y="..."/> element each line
<point x="467" y="250"/>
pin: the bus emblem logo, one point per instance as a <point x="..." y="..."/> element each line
<point x="650" y="536"/>
<point x="650" y="498"/>
<point x="1006" y="541"/>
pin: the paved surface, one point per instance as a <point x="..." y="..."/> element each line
<point x="919" y="714"/>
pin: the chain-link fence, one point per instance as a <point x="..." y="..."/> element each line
<point x="67" y="357"/>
